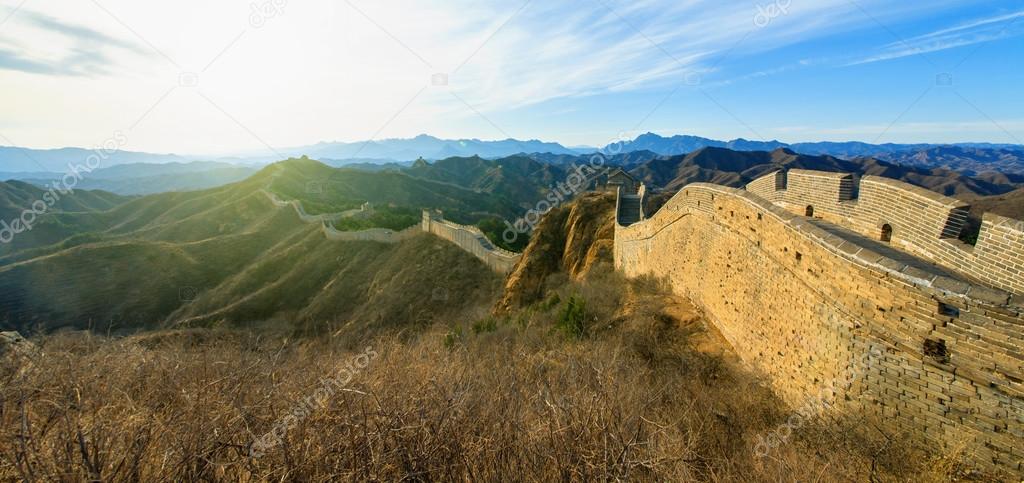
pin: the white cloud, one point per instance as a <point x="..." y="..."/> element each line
<point x="969" y="33"/>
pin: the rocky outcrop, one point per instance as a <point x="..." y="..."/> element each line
<point x="15" y="350"/>
<point x="571" y="239"/>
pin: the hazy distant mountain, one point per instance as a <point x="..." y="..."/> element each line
<point x="142" y="170"/>
<point x="962" y="158"/>
<point x="367" y="163"/>
<point x="853" y="149"/>
<point x="14" y="160"/>
<point x="968" y="157"/>
<point x="428" y="147"/>
<point x="149" y="178"/>
<point x="681" y="144"/>
<point x="627" y="159"/>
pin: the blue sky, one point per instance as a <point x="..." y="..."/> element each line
<point x="244" y="76"/>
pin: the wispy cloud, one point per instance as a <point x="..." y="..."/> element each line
<point x="71" y="49"/>
<point x="969" y="33"/>
<point x="562" y="50"/>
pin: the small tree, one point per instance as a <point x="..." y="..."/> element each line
<point x="572" y="320"/>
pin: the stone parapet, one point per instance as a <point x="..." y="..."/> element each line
<point x="909" y="217"/>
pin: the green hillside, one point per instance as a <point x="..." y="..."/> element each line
<point x="65" y="215"/>
<point x="230" y="256"/>
<point x="521" y="180"/>
<point x="323" y="189"/>
<point x="16" y="196"/>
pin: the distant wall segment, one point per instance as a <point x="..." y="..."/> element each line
<point x="472" y="240"/>
<point x="468" y="238"/>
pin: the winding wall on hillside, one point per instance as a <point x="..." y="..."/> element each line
<point x="472" y="240"/>
<point x="818" y="307"/>
<point x="468" y="238"/>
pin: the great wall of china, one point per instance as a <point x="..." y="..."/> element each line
<point x="468" y="238"/>
<point x="820" y="282"/>
<point x="815" y="279"/>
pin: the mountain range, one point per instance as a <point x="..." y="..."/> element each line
<point x="427" y="147"/>
<point x="24" y="163"/>
<point x="968" y="157"/>
<point x="150" y="178"/>
<point x="737" y="168"/>
<point x="26" y="160"/>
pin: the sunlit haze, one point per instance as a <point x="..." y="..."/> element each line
<point x="240" y="76"/>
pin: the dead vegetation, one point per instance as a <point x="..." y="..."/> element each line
<point x="626" y="397"/>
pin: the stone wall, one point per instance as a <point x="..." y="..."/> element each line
<point x="922" y="349"/>
<point x="381" y="235"/>
<point x="472" y="240"/>
<point x="469" y="238"/>
<point x="919" y="221"/>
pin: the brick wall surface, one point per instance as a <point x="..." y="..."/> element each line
<point x="924" y="351"/>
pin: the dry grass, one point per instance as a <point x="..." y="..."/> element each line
<point x="630" y="400"/>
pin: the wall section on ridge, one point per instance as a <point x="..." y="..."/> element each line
<point x="468" y="238"/>
<point x="812" y="310"/>
<point x="472" y="240"/>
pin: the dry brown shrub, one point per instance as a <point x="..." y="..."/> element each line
<point x="633" y="402"/>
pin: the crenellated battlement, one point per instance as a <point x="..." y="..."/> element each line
<point x="908" y="217"/>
